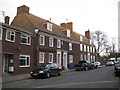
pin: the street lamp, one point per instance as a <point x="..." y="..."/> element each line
<point x="36" y="31"/>
<point x="36" y="47"/>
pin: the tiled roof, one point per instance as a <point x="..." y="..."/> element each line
<point x="30" y="22"/>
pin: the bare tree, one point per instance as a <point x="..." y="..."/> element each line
<point x="99" y="38"/>
<point x="113" y="44"/>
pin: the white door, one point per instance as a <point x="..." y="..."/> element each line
<point x="59" y="58"/>
<point x="65" y="59"/>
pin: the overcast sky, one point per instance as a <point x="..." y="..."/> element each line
<point x="93" y="14"/>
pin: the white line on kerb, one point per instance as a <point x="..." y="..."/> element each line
<point x="75" y="84"/>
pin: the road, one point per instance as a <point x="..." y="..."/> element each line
<point x="96" y="78"/>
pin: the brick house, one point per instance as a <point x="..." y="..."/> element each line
<point x="30" y="41"/>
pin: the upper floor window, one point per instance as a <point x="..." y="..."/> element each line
<point x="58" y="43"/>
<point x="81" y="47"/>
<point x="70" y="46"/>
<point x="25" y="39"/>
<point x="0" y="32"/>
<point x="70" y="58"/>
<point x="41" y="57"/>
<point x="50" y="42"/>
<point x="42" y="40"/>
<point x="24" y="60"/>
<point x="50" y="57"/>
<point x="91" y="49"/>
<point x="84" y="47"/>
<point x="10" y="35"/>
<point x="49" y="26"/>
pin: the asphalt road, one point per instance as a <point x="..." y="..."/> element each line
<point x="96" y="78"/>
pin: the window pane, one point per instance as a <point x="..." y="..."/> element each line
<point x="22" y="62"/>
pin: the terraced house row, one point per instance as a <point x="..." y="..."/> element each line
<point x="30" y="41"/>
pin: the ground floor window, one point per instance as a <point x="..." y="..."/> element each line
<point x="41" y="57"/>
<point x="24" y="60"/>
<point x="70" y="58"/>
<point x="50" y="57"/>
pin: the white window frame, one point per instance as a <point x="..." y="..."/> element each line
<point x="50" y="57"/>
<point x="1" y="32"/>
<point x="58" y="43"/>
<point x="51" y="42"/>
<point x="12" y="33"/>
<point x="42" y="40"/>
<point x="85" y="48"/>
<point x="81" y="47"/>
<point x="41" y="57"/>
<point x="25" y="57"/>
<point x="70" y="46"/>
<point x="25" y="36"/>
<point x="70" y="58"/>
<point x="91" y="49"/>
<point x="49" y="26"/>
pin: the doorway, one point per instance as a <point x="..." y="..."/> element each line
<point x="8" y="63"/>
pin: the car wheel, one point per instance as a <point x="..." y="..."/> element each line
<point x="116" y="75"/>
<point x="59" y="73"/>
<point x="86" y="68"/>
<point x="48" y="75"/>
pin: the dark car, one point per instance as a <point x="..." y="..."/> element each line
<point x="110" y="63"/>
<point x="83" y="65"/>
<point x="46" y="70"/>
<point x="117" y="68"/>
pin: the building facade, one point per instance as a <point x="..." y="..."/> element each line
<point x="119" y="26"/>
<point x="30" y="41"/>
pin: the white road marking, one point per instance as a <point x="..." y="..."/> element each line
<point x="48" y="86"/>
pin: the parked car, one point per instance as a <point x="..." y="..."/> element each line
<point x="117" y="69"/>
<point x="96" y="64"/>
<point x="109" y="63"/>
<point x="83" y="65"/>
<point x="46" y="70"/>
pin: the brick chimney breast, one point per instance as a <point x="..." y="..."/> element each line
<point x="87" y="34"/>
<point x="7" y="19"/>
<point x="22" y="9"/>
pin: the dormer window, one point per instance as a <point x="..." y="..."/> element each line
<point x="49" y="26"/>
<point x="81" y="38"/>
<point x="68" y="33"/>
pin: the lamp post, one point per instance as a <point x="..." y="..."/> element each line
<point x="36" y="45"/>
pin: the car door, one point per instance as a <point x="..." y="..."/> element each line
<point x="52" y="69"/>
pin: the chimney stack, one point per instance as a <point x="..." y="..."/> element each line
<point x="7" y="19"/>
<point x="22" y="9"/>
<point x="68" y="25"/>
<point x="87" y="34"/>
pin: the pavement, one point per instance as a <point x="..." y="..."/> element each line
<point x="7" y="78"/>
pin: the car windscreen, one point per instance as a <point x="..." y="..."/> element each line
<point x="44" y="66"/>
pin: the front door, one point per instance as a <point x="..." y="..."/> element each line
<point x="8" y="63"/>
<point x="59" y="58"/>
<point x="65" y="59"/>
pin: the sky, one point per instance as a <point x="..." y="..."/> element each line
<point x="85" y="14"/>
